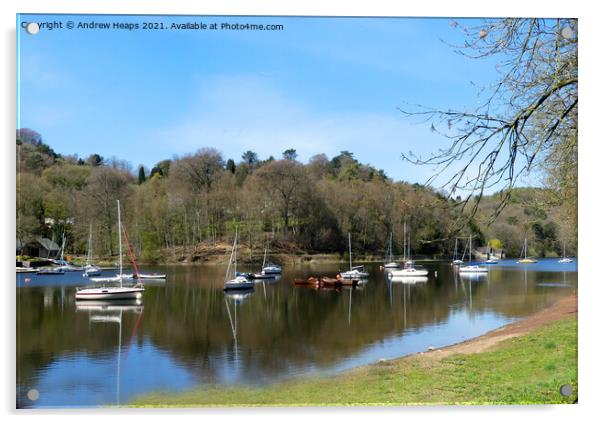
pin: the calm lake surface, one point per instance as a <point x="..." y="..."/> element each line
<point x="187" y="332"/>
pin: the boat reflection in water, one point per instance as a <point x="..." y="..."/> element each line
<point x="104" y="312"/>
<point x="237" y="298"/>
<point x="195" y="334"/>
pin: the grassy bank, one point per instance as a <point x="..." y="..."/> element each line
<point x="527" y="369"/>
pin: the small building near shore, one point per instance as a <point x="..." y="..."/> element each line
<point x="41" y="247"/>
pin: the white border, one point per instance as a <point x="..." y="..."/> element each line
<point x="589" y="231"/>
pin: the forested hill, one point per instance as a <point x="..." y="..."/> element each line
<point x="198" y="199"/>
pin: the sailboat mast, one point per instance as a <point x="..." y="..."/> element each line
<point x="404" y="241"/>
<point x="230" y="262"/>
<point x="409" y="247"/>
<point x="456" y="250"/>
<point x="350" y="266"/>
<point x="63" y="249"/>
<point x="235" y="245"/>
<point x="470" y="248"/>
<point x="119" y="233"/>
<point x="89" y="246"/>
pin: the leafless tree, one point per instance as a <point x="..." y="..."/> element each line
<point x="529" y="114"/>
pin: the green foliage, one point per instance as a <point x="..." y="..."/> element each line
<point x="250" y="157"/>
<point x="141" y="175"/>
<point x="195" y="199"/>
<point x="231" y="166"/>
<point x="151" y="247"/>
<point x="496" y="244"/>
<point x="290" y="154"/>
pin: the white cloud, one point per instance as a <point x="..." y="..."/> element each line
<point x="239" y="113"/>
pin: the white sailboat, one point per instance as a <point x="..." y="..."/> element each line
<point x="263" y="274"/>
<point x="472" y="268"/>
<point x="524" y="259"/>
<point x="409" y="279"/>
<point x="270" y="269"/>
<point x="564" y="258"/>
<point x="112" y="292"/>
<point x="63" y="265"/>
<point x="357" y="272"/>
<point x="409" y="269"/>
<point x="390" y="263"/>
<point x="491" y="257"/>
<point x="238" y="281"/>
<point x="456" y="261"/>
<point x="89" y="268"/>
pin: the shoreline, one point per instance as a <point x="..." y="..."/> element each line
<point x="565" y="307"/>
<point x="373" y="376"/>
<point x="285" y="259"/>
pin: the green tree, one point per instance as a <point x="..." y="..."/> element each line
<point x="290" y="154"/>
<point x="250" y="158"/>
<point x="141" y="175"/>
<point x="231" y="166"/>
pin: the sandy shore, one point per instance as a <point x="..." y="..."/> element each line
<point x="564" y="307"/>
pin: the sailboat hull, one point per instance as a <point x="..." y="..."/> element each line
<point x="113" y="293"/>
<point x="411" y="272"/>
<point x="409" y="279"/>
<point x="473" y="269"/>
<point x="272" y="270"/>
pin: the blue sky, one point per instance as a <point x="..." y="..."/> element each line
<point x="321" y="85"/>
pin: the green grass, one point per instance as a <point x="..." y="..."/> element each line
<point x="525" y="370"/>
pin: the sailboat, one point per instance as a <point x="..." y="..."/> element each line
<point x="137" y="274"/>
<point x="63" y="265"/>
<point x="525" y="259"/>
<point x="456" y="261"/>
<point x="270" y="269"/>
<point x="491" y="259"/>
<point x="112" y="292"/>
<point x="357" y="272"/>
<point x="409" y="269"/>
<point x="263" y="274"/>
<point x="89" y="268"/>
<point x="564" y="258"/>
<point x="238" y="281"/>
<point x="472" y="268"/>
<point x="390" y="263"/>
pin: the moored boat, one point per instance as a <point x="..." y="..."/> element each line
<point x="564" y="258"/>
<point x="89" y="268"/>
<point x="50" y="271"/>
<point x="389" y="262"/>
<point x="238" y="281"/>
<point x="26" y="269"/>
<point x="112" y="292"/>
<point x="354" y="272"/>
<point x="408" y="270"/>
<point x="409" y="279"/>
<point x="525" y="259"/>
<point x="472" y="268"/>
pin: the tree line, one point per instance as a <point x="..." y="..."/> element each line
<point x="200" y="198"/>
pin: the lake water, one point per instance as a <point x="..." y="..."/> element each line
<point x="187" y="332"/>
